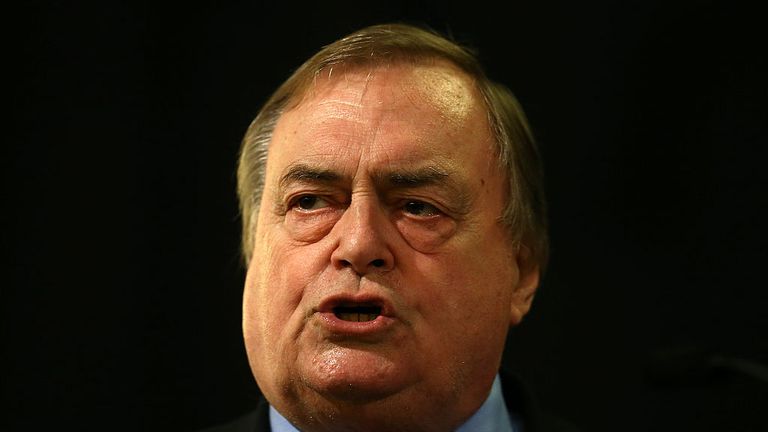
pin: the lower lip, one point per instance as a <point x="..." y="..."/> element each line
<point x="339" y="327"/>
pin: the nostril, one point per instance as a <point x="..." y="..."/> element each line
<point x="377" y="263"/>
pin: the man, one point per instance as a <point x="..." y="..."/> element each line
<point x="394" y="229"/>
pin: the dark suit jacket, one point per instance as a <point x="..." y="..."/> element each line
<point x="516" y="397"/>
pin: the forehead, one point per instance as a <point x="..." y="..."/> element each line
<point x="398" y="111"/>
<point x="436" y="84"/>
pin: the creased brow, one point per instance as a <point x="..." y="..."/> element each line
<point x="302" y="173"/>
<point x="307" y="173"/>
<point x="429" y="176"/>
<point x="418" y="178"/>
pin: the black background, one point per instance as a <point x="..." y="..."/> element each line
<point x="121" y="292"/>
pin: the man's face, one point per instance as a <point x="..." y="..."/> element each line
<point x="382" y="283"/>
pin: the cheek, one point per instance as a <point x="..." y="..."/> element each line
<point x="470" y="286"/>
<point x="257" y="301"/>
<point x="461" y="312"/>
<point x="274" y="286"/>
<point x="289" y="274"/>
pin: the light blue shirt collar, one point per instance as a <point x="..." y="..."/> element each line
<point x="491" y="417"/>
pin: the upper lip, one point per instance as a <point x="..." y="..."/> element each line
<point x="328" y="304"/>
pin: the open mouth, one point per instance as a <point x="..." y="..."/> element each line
<point x="357" y="313"/>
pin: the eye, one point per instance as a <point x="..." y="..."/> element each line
<point x="420" y="208"/>
<point x="310" y="202"/>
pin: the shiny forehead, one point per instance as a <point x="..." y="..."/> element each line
<point x="434" y="81"/>
<point x="431" y="105"/>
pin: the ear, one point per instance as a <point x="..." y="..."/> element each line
<point x="525" y="288"/>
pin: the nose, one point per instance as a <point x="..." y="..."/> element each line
<point x="363" y="233"/>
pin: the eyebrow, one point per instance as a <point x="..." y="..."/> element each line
<point x="431" y="175"/>
<point x="402" y="178"/>
<point x="304" y="172"/>
<point x="419" y="177"/>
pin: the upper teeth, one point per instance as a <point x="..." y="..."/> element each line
<point x="357" y="317"/>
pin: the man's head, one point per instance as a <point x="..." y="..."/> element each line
<point x="393" y="222"/>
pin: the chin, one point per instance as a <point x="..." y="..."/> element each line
<point x="358" y="389"/>
<point x="355" y="375"/>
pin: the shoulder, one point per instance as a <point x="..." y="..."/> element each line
<point x="254" y="421"/>
<point x="520" y="400"/>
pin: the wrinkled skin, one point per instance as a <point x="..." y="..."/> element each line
<point x="382" y="185"/>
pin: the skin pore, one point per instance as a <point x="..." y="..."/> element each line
<point x="382" y="194"/>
